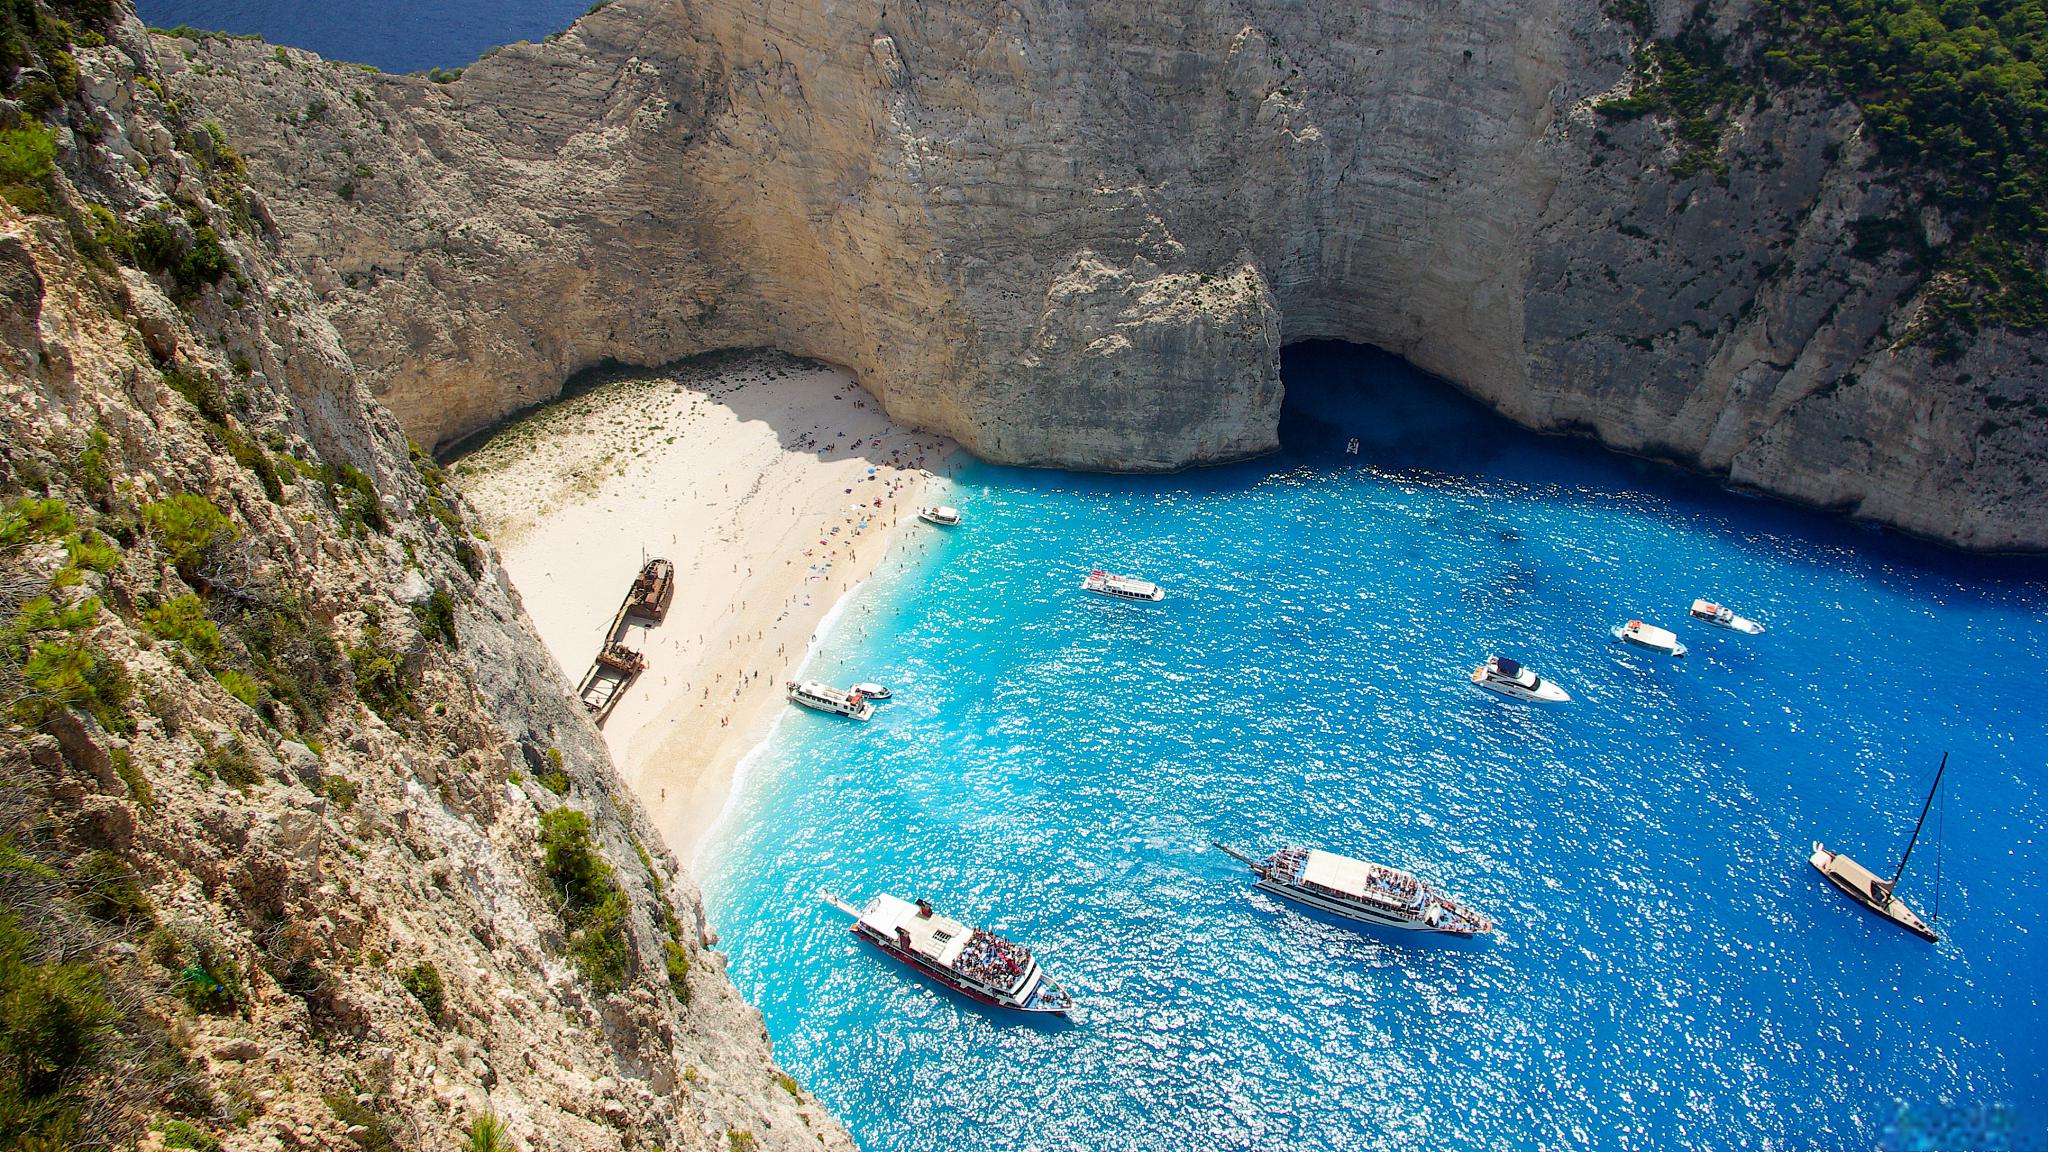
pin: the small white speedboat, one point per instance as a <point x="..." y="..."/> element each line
<point x="1510" y="679"/>
<point x="945" y="516"/>
<point x="872" y="690"/>
<point x="1721" y="616"/>
<point x="1649" y="636"/>
<point x="1122" y="587"/>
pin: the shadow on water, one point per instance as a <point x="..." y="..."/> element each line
<point x="1413" y="426"/>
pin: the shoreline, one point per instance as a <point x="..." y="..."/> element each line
<point x="725" y="468"/>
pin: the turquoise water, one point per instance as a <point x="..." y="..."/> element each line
<point x="1668" y="972"/>
<point x="395" y="35"/>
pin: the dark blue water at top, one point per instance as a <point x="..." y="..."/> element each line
<point x="1669" y="971"/>
<point x="395" y="35"/>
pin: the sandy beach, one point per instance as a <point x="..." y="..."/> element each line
<point x="772" y="484"/>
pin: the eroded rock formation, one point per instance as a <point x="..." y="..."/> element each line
<point x="303" y="842"/>
<point x="1078" y="233"/>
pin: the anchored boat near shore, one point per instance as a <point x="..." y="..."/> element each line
<point x="979" y="965"/>
<point x="823" y="697"/>
<point x="945" y="516"/>
<point x="1362" y="891"/>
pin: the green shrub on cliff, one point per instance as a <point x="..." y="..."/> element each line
<point x="183" y="621"/>
<point x="381" y="679"/>
<point x="1956" y="94"/>
<point x="53" y="1018"/>
<point x="423" y="980"/>
<point x="28" y="158"/>
<point x="488" y="1133"/>
<point x="592" y="906"/>
<point x="190" y="529"/>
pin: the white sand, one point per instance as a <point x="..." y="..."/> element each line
<point x="737" y="473"/>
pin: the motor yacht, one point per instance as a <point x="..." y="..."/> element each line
<point x="1510" y="679"/>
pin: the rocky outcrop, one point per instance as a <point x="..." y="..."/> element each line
<point x="301" y="835"/>
<point x="1077" y="234"/>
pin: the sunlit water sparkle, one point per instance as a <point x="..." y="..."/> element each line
<point x="1669" y="971"/>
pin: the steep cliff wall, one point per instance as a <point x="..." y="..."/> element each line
<point x="303" y="843"/>
<point x="1078" y="234"/>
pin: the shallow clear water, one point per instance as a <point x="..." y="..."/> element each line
<point x="395" y="35"/>
<point x="1668" y="972"/>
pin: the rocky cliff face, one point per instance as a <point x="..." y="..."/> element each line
<point x="303" y="843"/>
<point x="1077" y="234"/>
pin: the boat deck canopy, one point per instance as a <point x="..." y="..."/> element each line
<point x="1651" y="634"/>
<point x="935" y="937"/>
<point x="1361" y="879"/>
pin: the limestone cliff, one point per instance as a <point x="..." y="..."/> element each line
<point x="1078" y="233"/>
<point x="303" y="843"/>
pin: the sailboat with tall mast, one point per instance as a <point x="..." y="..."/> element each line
<point x="1873" y="891"/>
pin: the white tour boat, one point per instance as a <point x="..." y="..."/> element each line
<point x="977" y="964"/>
<point x="1122" y="587"/>
<point x="825" y="698"/>
<point x="1502" y="675"/>
<point x="1721" y="616"/>
<point x="945" y="516"/>
<point x="1649" y="636"/>
<point x="1363" y="891"/>
<point x="872" y="690"/>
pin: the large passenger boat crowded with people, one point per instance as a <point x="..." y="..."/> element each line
<point x="1363" y="891"/>
<point x="979" y="965"/>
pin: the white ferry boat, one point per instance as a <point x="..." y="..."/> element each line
<point x="1502" y="675"/>
<point x="1721" y="616"/>
<point x="977" y="964"/>
<point x="1122" y="587"/>
<point x="1363" y="891"/>
<point x="873" y="691"/>
<point x="945" y="516"/>
<point x="1649" y="636"/>
<point x="825" y="698"/>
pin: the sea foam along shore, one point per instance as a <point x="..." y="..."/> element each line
<point x="772" y="483"/>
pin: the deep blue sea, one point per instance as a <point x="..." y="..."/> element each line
<point x="395" y="35"/>
<point x="1669" y="972"/>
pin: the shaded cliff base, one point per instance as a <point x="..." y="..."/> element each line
<point x="1337" y="390"/>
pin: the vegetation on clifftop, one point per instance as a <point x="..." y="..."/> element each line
<point x="1955" y="96"/>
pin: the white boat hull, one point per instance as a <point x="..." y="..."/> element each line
<point x="1674" y="648"/>
<point x="1356" y="913"/>
<point x="1545" y="692"/>
<point x="1740" y="624"/>
<point x="1855" y="881"/>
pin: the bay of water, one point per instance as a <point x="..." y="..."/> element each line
<point x="1668" y="970"/>
<point x="395" y="35"/>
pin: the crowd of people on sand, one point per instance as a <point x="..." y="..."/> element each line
<point x="991" y="959"/>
